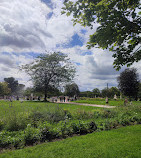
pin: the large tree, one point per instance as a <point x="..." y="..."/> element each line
<point x="4" y="90"/>
<point x="49" y="71"/>
<point x="139" y="93"/>
<point x="12" y="84"/>
<point x="128" y="83"/>
<point x="15" y="87"/>
<point x="119" y="26"/>
<point x="96" y="92"/>
<point x="72" y="90"/>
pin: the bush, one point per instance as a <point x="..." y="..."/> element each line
<point x="109" y="113"/>
<point x="45" y="132"/>
<point x="15" y="122"/>
<point x="51" y="114"/>
<point x="81" y="114"/>
<point x="1" y="124"/>
<point x="32" y="135"/>
<point x="92" y="126"/>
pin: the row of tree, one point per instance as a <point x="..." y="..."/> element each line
<point x="128" y="85"/>
<point x="49" y="72"/>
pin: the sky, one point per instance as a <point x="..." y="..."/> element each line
<point x="29" y="28"/>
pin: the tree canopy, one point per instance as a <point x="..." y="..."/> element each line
<point x="15" y="87"/>
<point x="72" y="90"/>
<point x="12" y="84"/>
<point x="119" y="26"/>
<point x="4" y="90"/>
<point x="96" y="92"/>
<point x="128" y="83"/>
<point x="49" y="71"/>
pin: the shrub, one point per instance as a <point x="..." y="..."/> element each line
<point x="51" y="114"/>
<point x="92" y="126"/>
<point x="15" y="122"/>
<point x="31" y="135"/>
<point x="109" y="113"/>
<point x="1" y="124"/>
<point x="46" y="132"/>
<point x="79" y="128"/>
<point x="81" y="114"/>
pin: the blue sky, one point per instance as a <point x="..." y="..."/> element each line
<point x="37" y="26"/>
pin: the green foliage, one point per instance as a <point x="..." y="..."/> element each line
<point x="4" y="90"/>
<point x="119" y="29"/>
<point x="48" y="71"/>
<point x="72" y="90"/>
<point x="110" y="92"/>
<point x="123" y="142"/>
<point x="14" y="86"/>
<point x="87" y="94"/>
<point x="31" y="135"/>
<point x="96" y="92"/>
<point x="139" y="93"/>
<point x="128" y="83"/>
<point x="40" y="126"/>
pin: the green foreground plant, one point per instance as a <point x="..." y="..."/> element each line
<point x="123" y="142"/>
<point x="22" y="128"/>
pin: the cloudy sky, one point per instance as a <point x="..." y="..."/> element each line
<point x="28" y="28"/>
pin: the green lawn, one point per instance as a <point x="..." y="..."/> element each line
<point x="7" y="107"/>
<point x="119" y="143"/>
<point x="100" y="101"/>
<point x="27" y="123"/>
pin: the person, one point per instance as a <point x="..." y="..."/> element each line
<point x="64" y="98"/>
<point x="106" y="100"/>
<point x="39" y="98"/>
<point x="17" y="98"/>
<point x="125" y="101"/>
<point x="60" y="99"/>
<point x="10" y="99"/>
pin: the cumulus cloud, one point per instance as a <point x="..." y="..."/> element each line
<point x="36" y="26"/>
<point x="23" y="25"/>
<point x="9" y="67"/>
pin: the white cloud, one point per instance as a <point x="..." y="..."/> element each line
<point x="9" y="67"/>
<point x="25" y="26"/>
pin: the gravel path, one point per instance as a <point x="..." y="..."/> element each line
<point x="101" y="106"/>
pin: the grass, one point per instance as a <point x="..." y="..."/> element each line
<point x="28" y="123"/>
<point x="27" y="106"/>
<point x="101" y="101"/>
<point x="123" y="142"/>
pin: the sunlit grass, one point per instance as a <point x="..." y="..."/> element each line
<point x="102" y="101"/>
<point x="123" y="142"/>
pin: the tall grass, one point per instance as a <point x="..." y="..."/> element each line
<point x="29" y="123"/>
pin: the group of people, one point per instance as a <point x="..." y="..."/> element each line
<point x="63" y="99"/>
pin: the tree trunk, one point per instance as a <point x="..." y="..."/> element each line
<point x="45" y="97"/>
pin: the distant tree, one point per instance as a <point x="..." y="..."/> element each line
<point x="113" y="91"/>
<point x="105" y="93"/>
<point x="28" y="91"/>
<point x="96" y="92"/>
<point x="128" y="83"/>
<point x="49" y="71"/>
<point x="54" y="92"/>
<point x="12" y="84"/>
<point x="119" y="26"/>
<point x="139" y="92"/>
<point x="71" y="90"/>
<point x="86" y="94"/>
<point x="20" y="89"/>
<point x="4" y="90"/>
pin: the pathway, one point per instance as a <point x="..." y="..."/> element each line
<point x="101" y="106"/>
